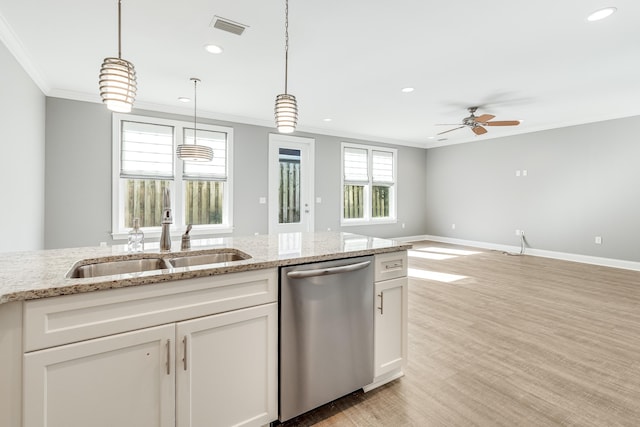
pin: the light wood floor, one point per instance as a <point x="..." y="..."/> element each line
<point x="514" y="341"/>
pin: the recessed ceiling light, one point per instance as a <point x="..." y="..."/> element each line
<point x="601" y="14"/>
<point x="327" y="120"/>
<point x="212" y="48"/>
<point x="184" y="99"/>
<point x="407" y="89"/>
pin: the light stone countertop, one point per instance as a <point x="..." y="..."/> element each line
<point x="41" y="274"/>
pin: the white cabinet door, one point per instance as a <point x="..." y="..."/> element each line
<point x="227" y="369"/>
<point x="390" y="325"/>
<point x="121" y="380"/>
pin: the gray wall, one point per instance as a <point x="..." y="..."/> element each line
<point x="581" y="182"/>
<point x="78" y="191"/>
<point x="22" y="164"/>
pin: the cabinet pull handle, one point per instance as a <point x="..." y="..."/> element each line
<point x="168" y="357"/>
<point x="381" y="308"/>
<point x="184" y="357"/>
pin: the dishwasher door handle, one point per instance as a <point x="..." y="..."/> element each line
<point x="326" y="271"/>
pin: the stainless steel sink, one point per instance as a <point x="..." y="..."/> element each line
<point x="210" y="258"/>
<point x="108" y="268"/>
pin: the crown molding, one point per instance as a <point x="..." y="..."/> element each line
<point x="17" y="49"/>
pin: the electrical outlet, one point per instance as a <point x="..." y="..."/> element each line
<point x="517" y="232"/>
<point x="403" y="225"/>
<point x="598" y="240"/>
<point x="453" y="226"/>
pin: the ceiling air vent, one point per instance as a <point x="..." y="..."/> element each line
<point x="228" y="25"/>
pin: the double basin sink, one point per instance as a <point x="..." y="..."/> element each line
<point x="148" y="262"/>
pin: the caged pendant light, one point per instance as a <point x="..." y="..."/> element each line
<point x="118" y="79"/>
<point x="194" y="152"/>
<point x="286" y="110"/>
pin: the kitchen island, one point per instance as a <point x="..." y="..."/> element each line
<point x="89" y="335"/>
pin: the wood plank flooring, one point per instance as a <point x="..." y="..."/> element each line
<point x="503" y="340"/>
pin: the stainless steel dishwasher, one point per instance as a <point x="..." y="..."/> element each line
<point x="326" y="332"/>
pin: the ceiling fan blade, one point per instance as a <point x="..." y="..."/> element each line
<point x="504" y="123"/>
<point x="478" y="130"/>
<point x="451" y="130"/>
<point x="484" y="118"/>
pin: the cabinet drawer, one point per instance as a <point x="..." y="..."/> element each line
<point x="391" y="265"/>
<point x="60" y="320"/>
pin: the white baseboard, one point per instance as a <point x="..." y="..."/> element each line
<point x="585" y="259"/>
<point x="383" y="379"/>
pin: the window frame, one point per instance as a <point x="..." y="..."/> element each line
<point x="177" y="185"/>
<point x="368" y="218"/>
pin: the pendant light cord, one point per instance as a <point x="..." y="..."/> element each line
<point x="119" y="24"/>
<point x="286" y="43"/>
<point x="195" y="107"/>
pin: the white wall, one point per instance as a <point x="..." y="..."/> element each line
<point x="582" y="182"/>
<point x="22" y="165"/>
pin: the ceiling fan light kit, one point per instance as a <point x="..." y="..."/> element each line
<point x="286" y="109"/>
<point x="118" y="83"/>
<point x="477" y="123"/>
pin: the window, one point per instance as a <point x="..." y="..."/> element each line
<point x="368" y="184"/>
<point x="144" y="164"/>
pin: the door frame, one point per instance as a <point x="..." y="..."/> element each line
<point x="276" y="141"/>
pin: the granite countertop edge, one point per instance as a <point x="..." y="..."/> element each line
<point x="45" y="276"/>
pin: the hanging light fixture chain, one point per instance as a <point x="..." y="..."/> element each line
<point x="286" y="43"/>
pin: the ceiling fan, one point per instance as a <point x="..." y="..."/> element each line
<point x="477" y="123"/>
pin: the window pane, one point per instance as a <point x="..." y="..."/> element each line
<point x="143" y="199"/>
<point x="204" y="202"/>
<point x="380" y="202"/>
<point x="147" y="150"/>
<point x="289" y="190"/>
<point x="217" y="167"/>
<point x="355" y="164"/>
<point x="353" y="201"/>
<point x="382" y="166"/>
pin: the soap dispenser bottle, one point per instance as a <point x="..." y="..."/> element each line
<point x="136" y="237"/>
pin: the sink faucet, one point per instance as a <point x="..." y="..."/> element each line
<point x="167" y="220"/>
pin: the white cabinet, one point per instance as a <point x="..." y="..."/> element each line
<point x="390" y="320"/>
<point x="229" y="374"/>
<point x="121" y="380"/>
<point x="189" y="370"/>
<point x="390" y="325"/>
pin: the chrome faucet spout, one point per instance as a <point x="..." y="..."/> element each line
<point x="167" y="220"/>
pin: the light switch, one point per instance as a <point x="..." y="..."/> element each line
<point x="518" y="172"/>
<point x="262" y="200"/>
<point x="318" y="199"/>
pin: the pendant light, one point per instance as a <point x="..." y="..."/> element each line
<point x="118" y="80"/>
<point x="194" y="152"/>
<point x="286" y="107"/>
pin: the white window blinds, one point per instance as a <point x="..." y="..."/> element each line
<point x="216" y="169"/>
<point x="382" y="168"/>
<point x="356" y="165"/>
<point x="146" y="150"/>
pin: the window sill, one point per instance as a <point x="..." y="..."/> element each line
<point x="351" y="223"/>
<point x="175" y="232"/>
